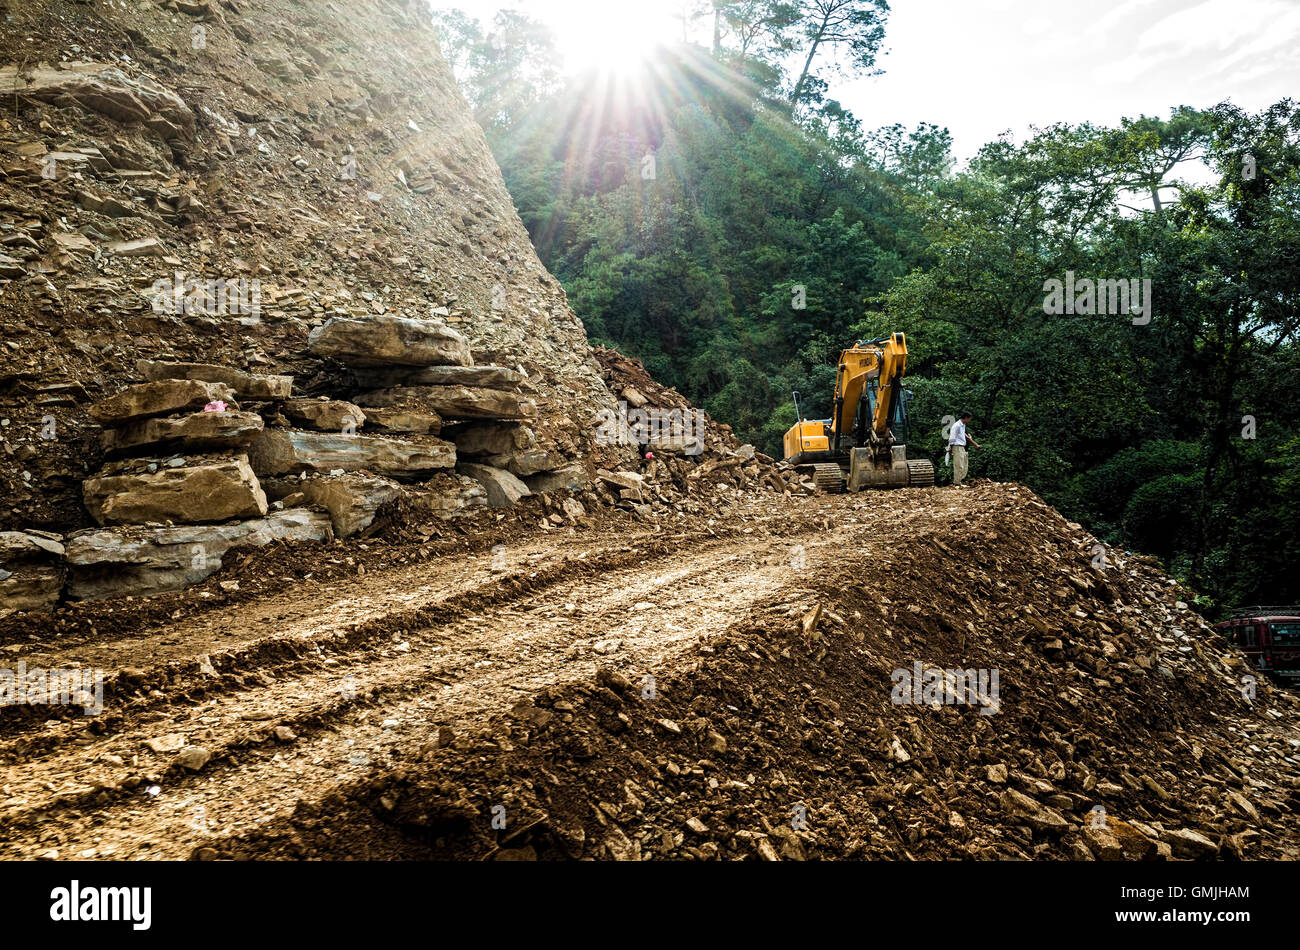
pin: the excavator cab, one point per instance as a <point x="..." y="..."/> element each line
<point x="898" y="420"/>
<point x="863" y="445"/>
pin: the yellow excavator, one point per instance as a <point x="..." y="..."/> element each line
<point x="862" y="445"/>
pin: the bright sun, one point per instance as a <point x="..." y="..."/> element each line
<point x="611" y="36"/>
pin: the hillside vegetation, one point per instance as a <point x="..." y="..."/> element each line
<point x="726" y="220"/>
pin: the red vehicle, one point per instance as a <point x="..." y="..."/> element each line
<point x="1270" y="636"/>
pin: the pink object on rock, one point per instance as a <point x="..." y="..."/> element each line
<point x="215" y="406"/>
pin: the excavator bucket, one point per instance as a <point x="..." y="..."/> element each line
<point x="866" y="471"/>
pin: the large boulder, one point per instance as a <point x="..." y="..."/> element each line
<point x="447" y="495"/>
<point x="571" y="477"/>
<point x="197" y="490"/>
<point x="488" y="377"/>
<point x="450" y="402"/>
<point x="30" y="587"/>
<point x="526" y="462"/>
<point x="632" y="481"/>
<point x="289" y="451"/>
<point x="28" y="545"/>
<point x="503" y="489"/>
<point x="31" y="570"/>
<point x="677" y="444"/>
<point x="197" y="431"/>
<point x="389" y="340"/>
<point x="326" y="415"/>
<point x="116" y="561"/>
<point x="159" y="399"/>
<point x="244" y="385"/>
<point x="351" y="500"/>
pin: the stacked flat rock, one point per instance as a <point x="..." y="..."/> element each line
<point x="31" y="570"/>
<point x="244" y="385"/>
<point x="178" y="490"/>
<point x="504" y="445"/>
<point x="418" y="367"/>
<point x="418" y="377"/>
<point x="333" y="454"/>
<point x="184" y="439"/>
<point x="134" y="560"/>
<point x="349" y="473"/>
<point x="381" y="343"/>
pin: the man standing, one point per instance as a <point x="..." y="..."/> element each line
<point x="957" y="442"/>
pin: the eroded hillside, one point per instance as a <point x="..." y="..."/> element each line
<point x="321" y="150"/>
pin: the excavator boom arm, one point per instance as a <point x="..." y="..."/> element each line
<point x="884" y="360"/>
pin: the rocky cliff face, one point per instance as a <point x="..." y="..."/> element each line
<point x="210" y="182"/>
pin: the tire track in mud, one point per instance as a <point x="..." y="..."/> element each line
<point x="362" y="677"/>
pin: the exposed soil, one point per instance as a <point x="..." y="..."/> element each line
<point x="411" y="706"/>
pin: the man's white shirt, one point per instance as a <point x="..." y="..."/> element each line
<point x="957" y="436"/>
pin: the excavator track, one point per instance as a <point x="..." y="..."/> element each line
<point x="829" y="477"/>
<point x="920" y="473"/>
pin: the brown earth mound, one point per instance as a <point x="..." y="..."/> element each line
<point x="1122" y="727"/>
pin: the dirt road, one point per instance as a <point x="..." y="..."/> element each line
<point x="350" y="673"/>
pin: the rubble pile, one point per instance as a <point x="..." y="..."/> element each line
<point x="696" y="461"/>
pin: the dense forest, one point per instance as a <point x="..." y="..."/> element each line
<point x="723" y="218"/>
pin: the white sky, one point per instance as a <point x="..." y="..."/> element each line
<point x="981" y="67"/>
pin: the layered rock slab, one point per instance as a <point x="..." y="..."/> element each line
<point x="105" y="89"/>
<point x="159" y="399"/>
<point x="116" y="561"/>
<point x="503" y="489"/>
<point x="31" y="571"/>
<point x="325" y="415"/>
<point x="449" y="402"/>
<point x="570" y="477"/>
<point x="244" y="385"/>
<point x="199" y="431"/>
<point x="199" y="489"/>
<point x="290" y="451"/>
<point x="413" y="421"/>
<point x="486" y="377"/>
<point x="352" y="500"/>
<point x="388" y="340"/>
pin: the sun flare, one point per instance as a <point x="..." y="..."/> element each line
<point x="613" y="37"/>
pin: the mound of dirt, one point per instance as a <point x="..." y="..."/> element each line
<point x="1119" y="726"/>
